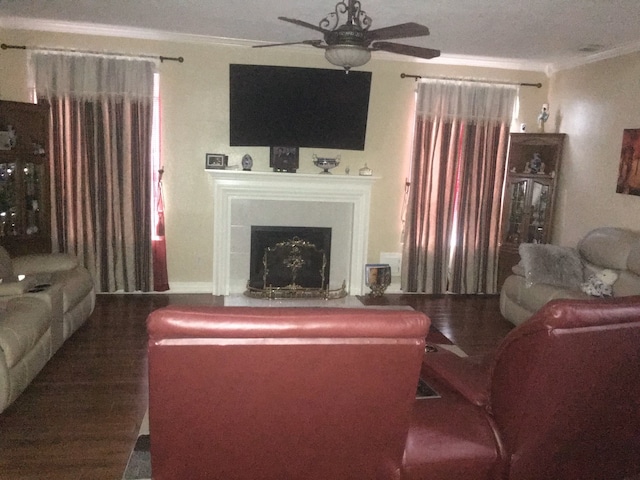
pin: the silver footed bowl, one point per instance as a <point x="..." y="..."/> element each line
<point x="326" y="163"/>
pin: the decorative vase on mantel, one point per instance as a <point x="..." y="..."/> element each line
<point x="326" y="163"/>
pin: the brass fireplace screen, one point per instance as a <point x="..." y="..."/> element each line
<point x="294" y="268"/>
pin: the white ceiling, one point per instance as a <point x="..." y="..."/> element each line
<point x="535" y="34"/>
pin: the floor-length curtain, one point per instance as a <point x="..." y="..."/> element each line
<point x="452" y="221"/>
<point x="101" y="121"/>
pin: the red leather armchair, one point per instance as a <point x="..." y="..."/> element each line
<point x="560" y="399"/>
<point x="279" y="394"/>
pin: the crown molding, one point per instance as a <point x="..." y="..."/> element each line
<point x="491" y="62"/>
<point x="96" y="29"/>
<point x="626" y="49"/>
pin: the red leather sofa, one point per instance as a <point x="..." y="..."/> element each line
<point x="242" y="393"/>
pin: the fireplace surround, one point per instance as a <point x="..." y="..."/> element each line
<point x="246" y="199"/>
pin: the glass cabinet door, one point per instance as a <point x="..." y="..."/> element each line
<point x="21" y="198"/>
<point x="33" y="197"/>
<point x="517" y="213"/>
<point x="537" y="230"/>
<point x="8" y="205"/>
<point x="528" y="211"/>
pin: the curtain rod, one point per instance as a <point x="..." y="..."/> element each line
<point x="418" y="77"/>
<point x="4" y="46"/>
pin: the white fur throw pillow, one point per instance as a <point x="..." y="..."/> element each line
<point x="551" y="264"/>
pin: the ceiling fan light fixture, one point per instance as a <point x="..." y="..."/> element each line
<point x="347" y="56"/>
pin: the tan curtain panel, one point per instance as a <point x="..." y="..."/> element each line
<point x="452" y="221"/>
<point x="101" y="120"/>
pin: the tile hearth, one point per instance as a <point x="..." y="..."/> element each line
<point x="240" y="300"/>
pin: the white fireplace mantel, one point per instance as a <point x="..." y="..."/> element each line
<point x="317" y="191"/>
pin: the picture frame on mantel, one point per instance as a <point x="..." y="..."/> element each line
<point x="216" y="161"/>
<point x="284" y="159"/>
<point x="628" y="171"/>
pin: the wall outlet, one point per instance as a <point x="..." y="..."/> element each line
<point x="394" y="259"/>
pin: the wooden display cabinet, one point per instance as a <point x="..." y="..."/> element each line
<point x="533" y="162"/>
<point x="25" y="219"/>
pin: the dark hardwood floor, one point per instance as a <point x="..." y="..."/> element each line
<point x="473" y="322"/>
<point x="80" y="417"/>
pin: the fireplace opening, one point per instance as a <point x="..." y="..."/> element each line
<point x="288" y="262"/>
<point x="279" y="275"/>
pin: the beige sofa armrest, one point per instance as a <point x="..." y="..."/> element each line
<point x="43" y="263"/>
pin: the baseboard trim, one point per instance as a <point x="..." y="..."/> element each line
<point x="190" y="287"/>
<point x="175" y="287"/>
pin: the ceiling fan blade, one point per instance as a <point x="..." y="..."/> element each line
<point x="410" y="50"/>
<point x="303" y="24"/>
<point x="403" y="30"/>
<point x="313" y="43"/>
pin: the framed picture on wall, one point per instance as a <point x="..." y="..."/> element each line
<point x="284" y="159"/>
<point x="629" y="169"/>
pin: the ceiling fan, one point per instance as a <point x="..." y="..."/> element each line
<point x="348" y="41"/>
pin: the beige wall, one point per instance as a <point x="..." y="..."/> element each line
<point x="195" y="121"/>
<point x="593" y="104"/>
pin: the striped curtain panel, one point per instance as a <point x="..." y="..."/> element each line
<point x="451" y="234"/>
<point x="101" y="122"/>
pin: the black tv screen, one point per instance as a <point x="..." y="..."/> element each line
<point x="298" y="107"/>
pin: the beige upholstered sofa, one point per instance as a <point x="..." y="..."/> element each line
<point x="44" y="298"/>
<point x="547" y="272"/>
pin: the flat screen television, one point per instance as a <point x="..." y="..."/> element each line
<point x="298" y="107"/>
